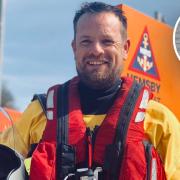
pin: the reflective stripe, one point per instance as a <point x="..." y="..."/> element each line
<point x="145" y="99"/>
<point x="27" y="163"/>
<point x="50" y="103"/>
<point x="154" y="170"/>
<point x="140" y="117"/>
<point x="49" y="115"/>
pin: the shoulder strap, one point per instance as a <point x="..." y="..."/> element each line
<point x="65" y="154"/>
<point x="126" y="113"/>
<point x="62" y="114"/>
<point x="114" y="152"/>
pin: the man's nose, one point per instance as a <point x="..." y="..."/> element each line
<point x="97" y="49"/>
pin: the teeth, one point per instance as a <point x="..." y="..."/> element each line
<point x="96" y="62"/>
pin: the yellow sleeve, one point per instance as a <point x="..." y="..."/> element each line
<point x="26" y="131"/>
<point x="163" y="130"/>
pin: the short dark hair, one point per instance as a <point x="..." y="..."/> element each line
<point x="98" y="7"/>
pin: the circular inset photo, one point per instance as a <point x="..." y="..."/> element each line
<point x="176" y="38"/>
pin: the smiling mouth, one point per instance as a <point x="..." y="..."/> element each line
<point x="96" y="62"/>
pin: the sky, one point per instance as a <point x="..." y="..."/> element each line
<point x="37" y="39"/>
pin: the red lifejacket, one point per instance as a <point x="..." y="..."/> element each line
<point x="140" y="160"/>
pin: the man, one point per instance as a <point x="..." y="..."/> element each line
<point x="98" y="97"/>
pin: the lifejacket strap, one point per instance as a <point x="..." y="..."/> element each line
<point x="65" y="154"/>
<point x="114" y="152"/>
<point x="148" y="148"/>
<point x="62" y="114"/>
<point x="126" y="114"/>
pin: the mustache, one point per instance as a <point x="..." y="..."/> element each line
<point x="94" y="58"/>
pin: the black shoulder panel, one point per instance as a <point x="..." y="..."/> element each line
<point x="42" y="100"/>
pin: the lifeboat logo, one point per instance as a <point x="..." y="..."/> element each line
<point x="143" y="60"/>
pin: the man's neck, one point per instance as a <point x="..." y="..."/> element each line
<point x="97" y="101"/>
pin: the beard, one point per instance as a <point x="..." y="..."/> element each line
<point x="98" y="80"/>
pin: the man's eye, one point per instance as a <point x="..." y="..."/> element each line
<point x="107" y="42"/>
<point x="85" y="42"/>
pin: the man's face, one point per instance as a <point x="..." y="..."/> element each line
<point x="99" y="49"/>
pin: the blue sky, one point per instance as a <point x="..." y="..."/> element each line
<point x="37" y="41"/>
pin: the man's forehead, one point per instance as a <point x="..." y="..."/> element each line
<point x="99" y="18"/>
<point x="82" y="36"/>
<point x="104" y="20"/>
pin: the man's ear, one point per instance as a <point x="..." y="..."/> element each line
<point x="73" y="45"/>
<point x="126" y="47"/>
